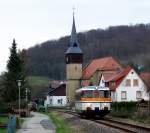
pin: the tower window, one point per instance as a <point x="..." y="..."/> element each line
<point x="75" y="44"/>
<point x="75" y="68"/>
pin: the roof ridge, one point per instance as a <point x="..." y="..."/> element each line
<point x="106" y="61"/>
<point x="87" y="64"/>
<point x="102" y="58"/>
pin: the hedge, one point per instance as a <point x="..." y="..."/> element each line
<point x="123" y="109"/>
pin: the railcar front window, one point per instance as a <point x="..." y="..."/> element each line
<point x="95" y="93"/>
<point x="104" y="94"/>
<point x="87" y="94"/>
<point x="78" y="96"/>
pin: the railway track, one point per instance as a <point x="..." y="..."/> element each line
<point x="122" y="126"/>
<point x="130" y="128"/>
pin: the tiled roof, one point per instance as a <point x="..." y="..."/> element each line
<point x="145" y="76"/>
<point x="107" y="76"/>
<point x="119" y="75"/>
<point x="85" y="83"/>
<point x="117" y="78"/>
<point x="59" y="91"/>
<point x="107" y="63"/>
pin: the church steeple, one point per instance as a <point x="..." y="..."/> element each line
<point x="73" y="39"/>
<point x="74" y="44"/>
<point x="74" y="60"/>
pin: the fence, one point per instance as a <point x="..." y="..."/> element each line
<point x="11" y="124"/>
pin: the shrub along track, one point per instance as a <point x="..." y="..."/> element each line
<point x="120" y="125"/>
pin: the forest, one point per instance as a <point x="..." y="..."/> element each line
<point x="129" y="44"/>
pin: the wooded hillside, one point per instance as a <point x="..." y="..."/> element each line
<point x="128" y="44"/>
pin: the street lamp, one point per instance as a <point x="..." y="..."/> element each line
<point x="19" y="85"/>
<point x="27" y="91"/>
<point x="26" y="95"/>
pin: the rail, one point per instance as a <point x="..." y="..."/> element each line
<point x="123" y="126"/>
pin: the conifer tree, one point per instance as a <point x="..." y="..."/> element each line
<point x="15" y="72"/>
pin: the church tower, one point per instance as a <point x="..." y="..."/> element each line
<point x="74" y="59"/>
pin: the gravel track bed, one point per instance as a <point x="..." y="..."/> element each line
<point x="86" y="126"/>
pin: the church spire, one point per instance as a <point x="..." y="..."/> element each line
<point x="73" y="39"/>
<point x="74" y="44"/>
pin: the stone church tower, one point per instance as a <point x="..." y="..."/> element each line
<point x="74" y="59"/>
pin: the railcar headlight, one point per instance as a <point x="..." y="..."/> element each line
<point x="89" y="105"/>
<point x="105" y="105"/>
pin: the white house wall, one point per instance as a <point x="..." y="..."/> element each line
<point x="53" y="101"/>
<point x="131" y="90"/>
<point x="102" y="82"/>
<point x="47" y="101"/>
<point x="113" y="96"/>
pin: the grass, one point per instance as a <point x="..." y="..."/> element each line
<point x="3" y="120"/>
<point x="38" y="81"/>
<point x="61" y="125"/>
<point x="3" y="131"/>
<point x="130" y="116"/>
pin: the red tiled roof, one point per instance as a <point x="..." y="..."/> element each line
<point x="107" y="75"/>
<point x="117" y="78"/>
<point x="119" y="75"/>
<point x="85" y="83"/>
<point x="107" y="63"/>
<point x="145" y="76"/>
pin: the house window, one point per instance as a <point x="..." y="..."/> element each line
<point x="106" y="84"/>
<point x="113" y="83"/>
<point x="59" y="101"/>
<point x="123" y="95"/>
<point x="128" y="82"/>
<point x="135" y="82"/>
<point x="138" y="95"/>
<point x="50" y="101"/>
<point x="132" y="72"/>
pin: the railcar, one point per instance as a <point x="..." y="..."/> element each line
<point x="93" y="101"/>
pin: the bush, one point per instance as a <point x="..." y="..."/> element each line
<point x="15" y="104"/>
<point x="4" y="108"/>
<point x="41" y="108"/>
<point x="124" y="109"/>
<point x="9" y="107"/>
<point x="23" y="114"/>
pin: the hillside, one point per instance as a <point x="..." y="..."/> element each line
<point x="37" y="81"/>
<point x="128" y="44"/>
<point x="38" y="85"/>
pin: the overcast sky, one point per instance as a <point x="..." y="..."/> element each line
<point x="31" y="22"/>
